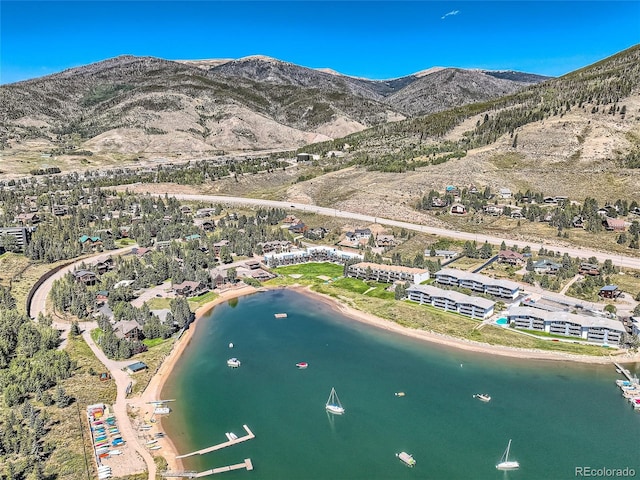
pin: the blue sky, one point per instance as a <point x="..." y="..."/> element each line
<point x="376" y="40"/>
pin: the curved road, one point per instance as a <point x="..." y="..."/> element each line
<point x="38" y="305"/>
<point x="619" y="260"/>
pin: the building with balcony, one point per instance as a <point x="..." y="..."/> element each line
<point x="451" y="301"/>
<point x="592" y="329"/>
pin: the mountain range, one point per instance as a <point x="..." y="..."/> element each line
<point x="144" y="105"/>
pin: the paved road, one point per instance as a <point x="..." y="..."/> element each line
<point x="39" y="300"/>
<point x="619" y="260"/>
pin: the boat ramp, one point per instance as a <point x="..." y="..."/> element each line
<point x="228" y="443"/>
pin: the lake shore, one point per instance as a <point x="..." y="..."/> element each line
<point x="154" y="389"/>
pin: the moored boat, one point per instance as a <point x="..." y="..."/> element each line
<point x="483" y="397"/>
<point x="505" y="463"/>
<point x="333" y="404"/>
<point x="233" y="362"/>
<point x="399" y="394"/>
<point x="302" y="364"/>
<point x="406" y="458"/>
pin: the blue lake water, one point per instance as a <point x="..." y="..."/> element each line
<point x="560" y="415"/>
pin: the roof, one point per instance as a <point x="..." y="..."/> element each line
<point x="84" y="238"/>
<point x="609" y="288"/>
<point x="483" y="279"/>
<point x="136" y="367"/>
<point x="82" y="273"/>
<point x="389" y="268"/>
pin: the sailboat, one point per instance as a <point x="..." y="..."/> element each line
<point x="333" y="403"/>
<point x="505" y="463"/>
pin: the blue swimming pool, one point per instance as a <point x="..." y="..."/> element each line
<point x="502" y="321"/>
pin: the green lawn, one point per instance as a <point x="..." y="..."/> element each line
<point x="310" y="271"/>
<point x="158" y="303"/>
<point x="152" y="342"/>
<point x="124" y="242"/>
<point x="200" y="300"/>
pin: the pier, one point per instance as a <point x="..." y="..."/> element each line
<point x="625" y="372"/>
<point x="248" y="436"/>
<point x="246" y="464"/>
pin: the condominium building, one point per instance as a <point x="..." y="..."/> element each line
<point x="310" y="254"/>
<point x="387" y="273"/>
<point x="478" y="283"/>
<point x="451" y="301"/>
<point x="593" y="329"/>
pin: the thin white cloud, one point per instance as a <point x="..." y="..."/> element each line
<point x="452" y="12"/>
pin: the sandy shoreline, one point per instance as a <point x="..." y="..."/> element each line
<point x="156" y="384"/>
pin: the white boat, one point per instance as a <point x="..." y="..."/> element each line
<point x="115" y="452"/>
<point x="399" y="394"/>
<point x="333" y="403"/>
<point x="233" y="362"/>
<point x="231" y="436"/>
<point x="162" y="411"/>
<point x="406" y="458"/>
<point x="155" y="447"/>
<point x="505" y="463"/>
<point x="483" y="397"/>
<point x="231" y="345"/>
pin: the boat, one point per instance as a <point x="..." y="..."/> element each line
<point x="231" y="345"/>
<point x="505" y="463"/>
<point x="399" y="394"/>
<point x="233" y="362"/>
<point x="162" y="411"/>
<point x="231" y="436"/>
<point x="280" y="315"/>
<point x="483" y="397"/>
<point x="406" y="458"/>
<point x="302" y="364"/>
<point x="333" y="404"/>
<point x="155" y="447"/>
<point x="115" y="452"/>
<point x="151" y="442"/>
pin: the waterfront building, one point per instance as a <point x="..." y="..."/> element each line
<point x="451" y="301"/>
<point x="593" y="329"/>
<point x="387" y="273"/>
<point x="310" y="254"/>
<point x="478" y="283"/>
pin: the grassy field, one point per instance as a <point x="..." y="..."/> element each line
<point x="381" y="303"/>
<point x="311" y="271"/>
<point x="200" y="300"/>
<point x="158" y="303"/>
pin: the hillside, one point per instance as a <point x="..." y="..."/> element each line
<point x="575" y="136"/>
<point x="129" y="108"/>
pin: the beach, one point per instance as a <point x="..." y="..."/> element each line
<point x="154" y="389"/>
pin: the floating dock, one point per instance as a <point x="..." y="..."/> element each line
<point x="246" y="464"/>
<point x="280" y="315"/>
<point x="248" y="436"/>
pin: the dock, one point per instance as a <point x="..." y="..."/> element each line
<point x="228" y="443"/>
<point x="625" y="372"/>
<point x="246" y="464"/>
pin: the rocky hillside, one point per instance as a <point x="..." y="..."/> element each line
<point x="149" y="106"/>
